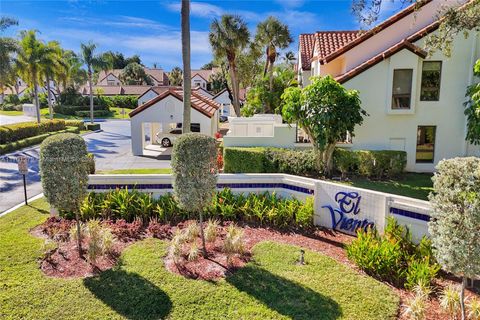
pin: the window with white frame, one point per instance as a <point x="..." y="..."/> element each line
<point x="431" y="75"/>
<point x="402" y="89"/>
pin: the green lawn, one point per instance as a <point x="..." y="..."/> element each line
<point x="415" y="185"/>
<point x="11" y="113"/>
<point x="116" y="113"/>
<point x="136" y="171"/>
<point x="272" y="286"/>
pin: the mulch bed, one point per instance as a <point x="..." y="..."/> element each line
<point x="64" y="261"/>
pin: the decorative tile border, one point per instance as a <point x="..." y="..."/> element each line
<point x="409" y="214"/>
<point x="168" y="186"/>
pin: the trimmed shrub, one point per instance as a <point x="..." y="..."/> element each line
<point x="75" y="123"/>
<point x="72" y="110"/>
<point x="96" y="113"/>
<point x="128" y="102"/>
<point x="345" y="161"/>
<point x="380" y="163"/>
<point x="18" y="131"/>
<point x="27" y="142"/>
<point x="91" y="163"/>
<point x="244" y="160"/>
<point x="393" y="257"/>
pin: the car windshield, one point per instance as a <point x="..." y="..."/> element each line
<point x="176" y="131"/>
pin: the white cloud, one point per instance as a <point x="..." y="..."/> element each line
<point x="119" y="21"/>
<point x="290" y="3"/>
<point x="199" y="9"/>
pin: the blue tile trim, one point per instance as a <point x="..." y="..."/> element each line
<point x="219" y="185"/>
<point x="409" y="214"/>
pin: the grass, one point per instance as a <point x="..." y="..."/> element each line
<point x="137" y="171"/>
<point x="272" y="286"/>
<point x="415" y="185"/>
<point x="11" y="113"/>
<point x="116" y="113"/>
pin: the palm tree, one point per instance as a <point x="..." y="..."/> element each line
<point x="289" y="58"/>
<point x="8" y="46"/>
<point x="50" y="68"/>
<point x="92" y="62"/>
<point x="70" y="72"/>
<point x="187" y="81"/>
<point x="31" y="57"/>
<point x="273" y="34"/>
<point x="175" y="77"/>
<point x="228" y="37"/>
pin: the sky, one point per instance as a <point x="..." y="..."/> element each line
<point x="151" y="28"/>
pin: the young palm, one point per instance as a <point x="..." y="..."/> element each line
<point x="32" y="55"/>
<point x="8" y="47"/>
<point x="175" y="77"/>
<point x="228" y="37"/>
<point x="93" y="62"/>
<point x="187" y="82"/>
<point x="273" y="34"/>
<point x="50" y="68"/>
<point x="70" y="72"/>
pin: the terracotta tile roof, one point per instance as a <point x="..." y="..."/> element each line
<point x="306" y="42"/>
<point x="104" y="90"/>
<point x="158" y="74"/>
<point x="368" y="34"/>
<point x="158" y="89"/>
<point x="200" y="103"/>
<point x="134" y="90"/>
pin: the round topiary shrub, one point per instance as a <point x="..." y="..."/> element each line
<point x="194" y="172"/>
<point x="64" y="172"/>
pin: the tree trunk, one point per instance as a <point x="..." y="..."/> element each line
<point x="271" y="60"/>
<point x="462" y="297"/>
<point x="187" y="81"/>
<point x="91" y="94"/>
<point x="235" y="88"/>
<point x="327" y="159"/>
<point x="79" y="235"/>
<point x="35" y="94"/>
<point x="202" y="236"/>
<point x="49" y="97"/>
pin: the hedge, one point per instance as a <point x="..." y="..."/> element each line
<point x="368" y="163"/>
<point x="72" y="110"/>
<point x="96" y="113"/>
<point x="75" y="123"/>
<point x="14" y="132"/>
<point x="31" y="141"/>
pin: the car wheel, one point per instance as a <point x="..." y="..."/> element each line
<point x="166" y="142"/>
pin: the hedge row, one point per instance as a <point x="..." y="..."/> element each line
<point x="75" y="123"/>
<point x="368" y="163"/>
<point x="72" y="110"/>
<point x="31" y="141"/>
<point x="72" y="98"/>
<point x="14" y="132"/>
<point x="96" y="113"/>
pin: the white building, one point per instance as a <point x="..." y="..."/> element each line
<point x="414" y="101"/>
<point x="165" y="112"/>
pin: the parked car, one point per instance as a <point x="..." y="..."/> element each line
<point x="166" y="139"/>
<point x="223" y="118"/>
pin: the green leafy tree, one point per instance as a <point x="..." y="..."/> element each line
<point x="218" y="82"/>
<point x="228" y="37"/>
<point x="50" y="68"/>
<point x="133" y="59"/>
<point x="64" y="173"/>
<point x="472" y="110"/>
<point x="116" y="59"/>
<point x="326" y="111"/>
<point x="194" y="174"/>
<point x="187" y="71"/>
<point x="455" y="218"/>
<point x="274" y="35"/>
<point x="250" y="66"/>
<point x="454" y="20"/>
<point x="175" y="77"/>
<point x="208" y="66"/>
<point x="93" y="62"/>
<point x="8" y="47"/>
<point x="134" y="74"/>
<point x="32" y="55"/>
<point x="260" y="95"/>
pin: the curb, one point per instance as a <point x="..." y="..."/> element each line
<point x="38" y="196"/>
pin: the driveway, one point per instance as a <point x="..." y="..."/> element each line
<point x="14" y="119"/>
<point x="112" y="150"/>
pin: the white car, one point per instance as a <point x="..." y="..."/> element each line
<point x="167" y="139"/>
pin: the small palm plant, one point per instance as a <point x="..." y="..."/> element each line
<point x="450" y="301"/>
<point x="415" y="308"/>
<point x="473" y="306"/>
<point x="233" y="243"/>
<point x="211" y="230"/>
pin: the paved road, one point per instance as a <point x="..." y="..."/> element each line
<point x="112" y="149"/>
<point x="14" y="119"/>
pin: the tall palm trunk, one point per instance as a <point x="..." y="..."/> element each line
<point x="271" y="55"/>
<point x="235" y="86"/>
<point x="49" y="97"/>
<point x="35" y="94"/>
<point x="187" y="81"/>
<point x="91" y="93"/>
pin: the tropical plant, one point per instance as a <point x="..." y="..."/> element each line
<point x="289" y="58"/>
<point x="134" y="74"/>
<point x="70" y="75"/>
<point x="228" y="37"/>
<point x="233" y="243"/>
<point x="274" y="35"/>
<point x="64" y="173"/>
<point x="8" y="47"/>
<point x="192" y="231"/>
<point x="187" y="71"/>
<point x="175" y="77"/>
<point x="450" y="301"/>
<point x="415" y="307"/>
<point x="32" y="55"/>
<point x="327" y="112"/>
<point x="473" y="307"/>
<point x="193" y="253"/>
<point x="472" y="109"/>
<point x="92" y="61"/>
<point x="50" y="69"/>
<point x="194" y="174"/>
<point x="456" y="218"/>
<point x="211" y="230"/>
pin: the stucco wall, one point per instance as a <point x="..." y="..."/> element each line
<point x="283" y="137"/>
<point x="200" y="80"/>
<point x="147" y="97"/>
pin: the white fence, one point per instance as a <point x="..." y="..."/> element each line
<point x="337" y="206"/>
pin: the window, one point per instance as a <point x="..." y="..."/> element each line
<point x="194" y="127"/>
<point x="111" y="82"/>
<point x="402" y="88"/>
<point x="431" y="74"/>
<point x="425" y="144"/>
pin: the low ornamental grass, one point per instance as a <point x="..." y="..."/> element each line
<point x="393" y="257"/>
<point x="265" y="209"/>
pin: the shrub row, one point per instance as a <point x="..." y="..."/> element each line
<point x="393" y="257"/>
<point x="72" y="98"/>
<point x="96" y="113"/>
<point x="75" y="123"/>
<point x="384" y="163"/>
<point x="370" y="163"/>
<point x="72" y="110"/>
<point x="265" y="160"/>
<point x="31" y="141"/>
<point x="18" y="131"/>
<point x="267" y="209"/>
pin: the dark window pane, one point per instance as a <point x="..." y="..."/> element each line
<point x="425" y="144"/>
<point x="431" y="75"/>
<point x="402" y="88"/>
